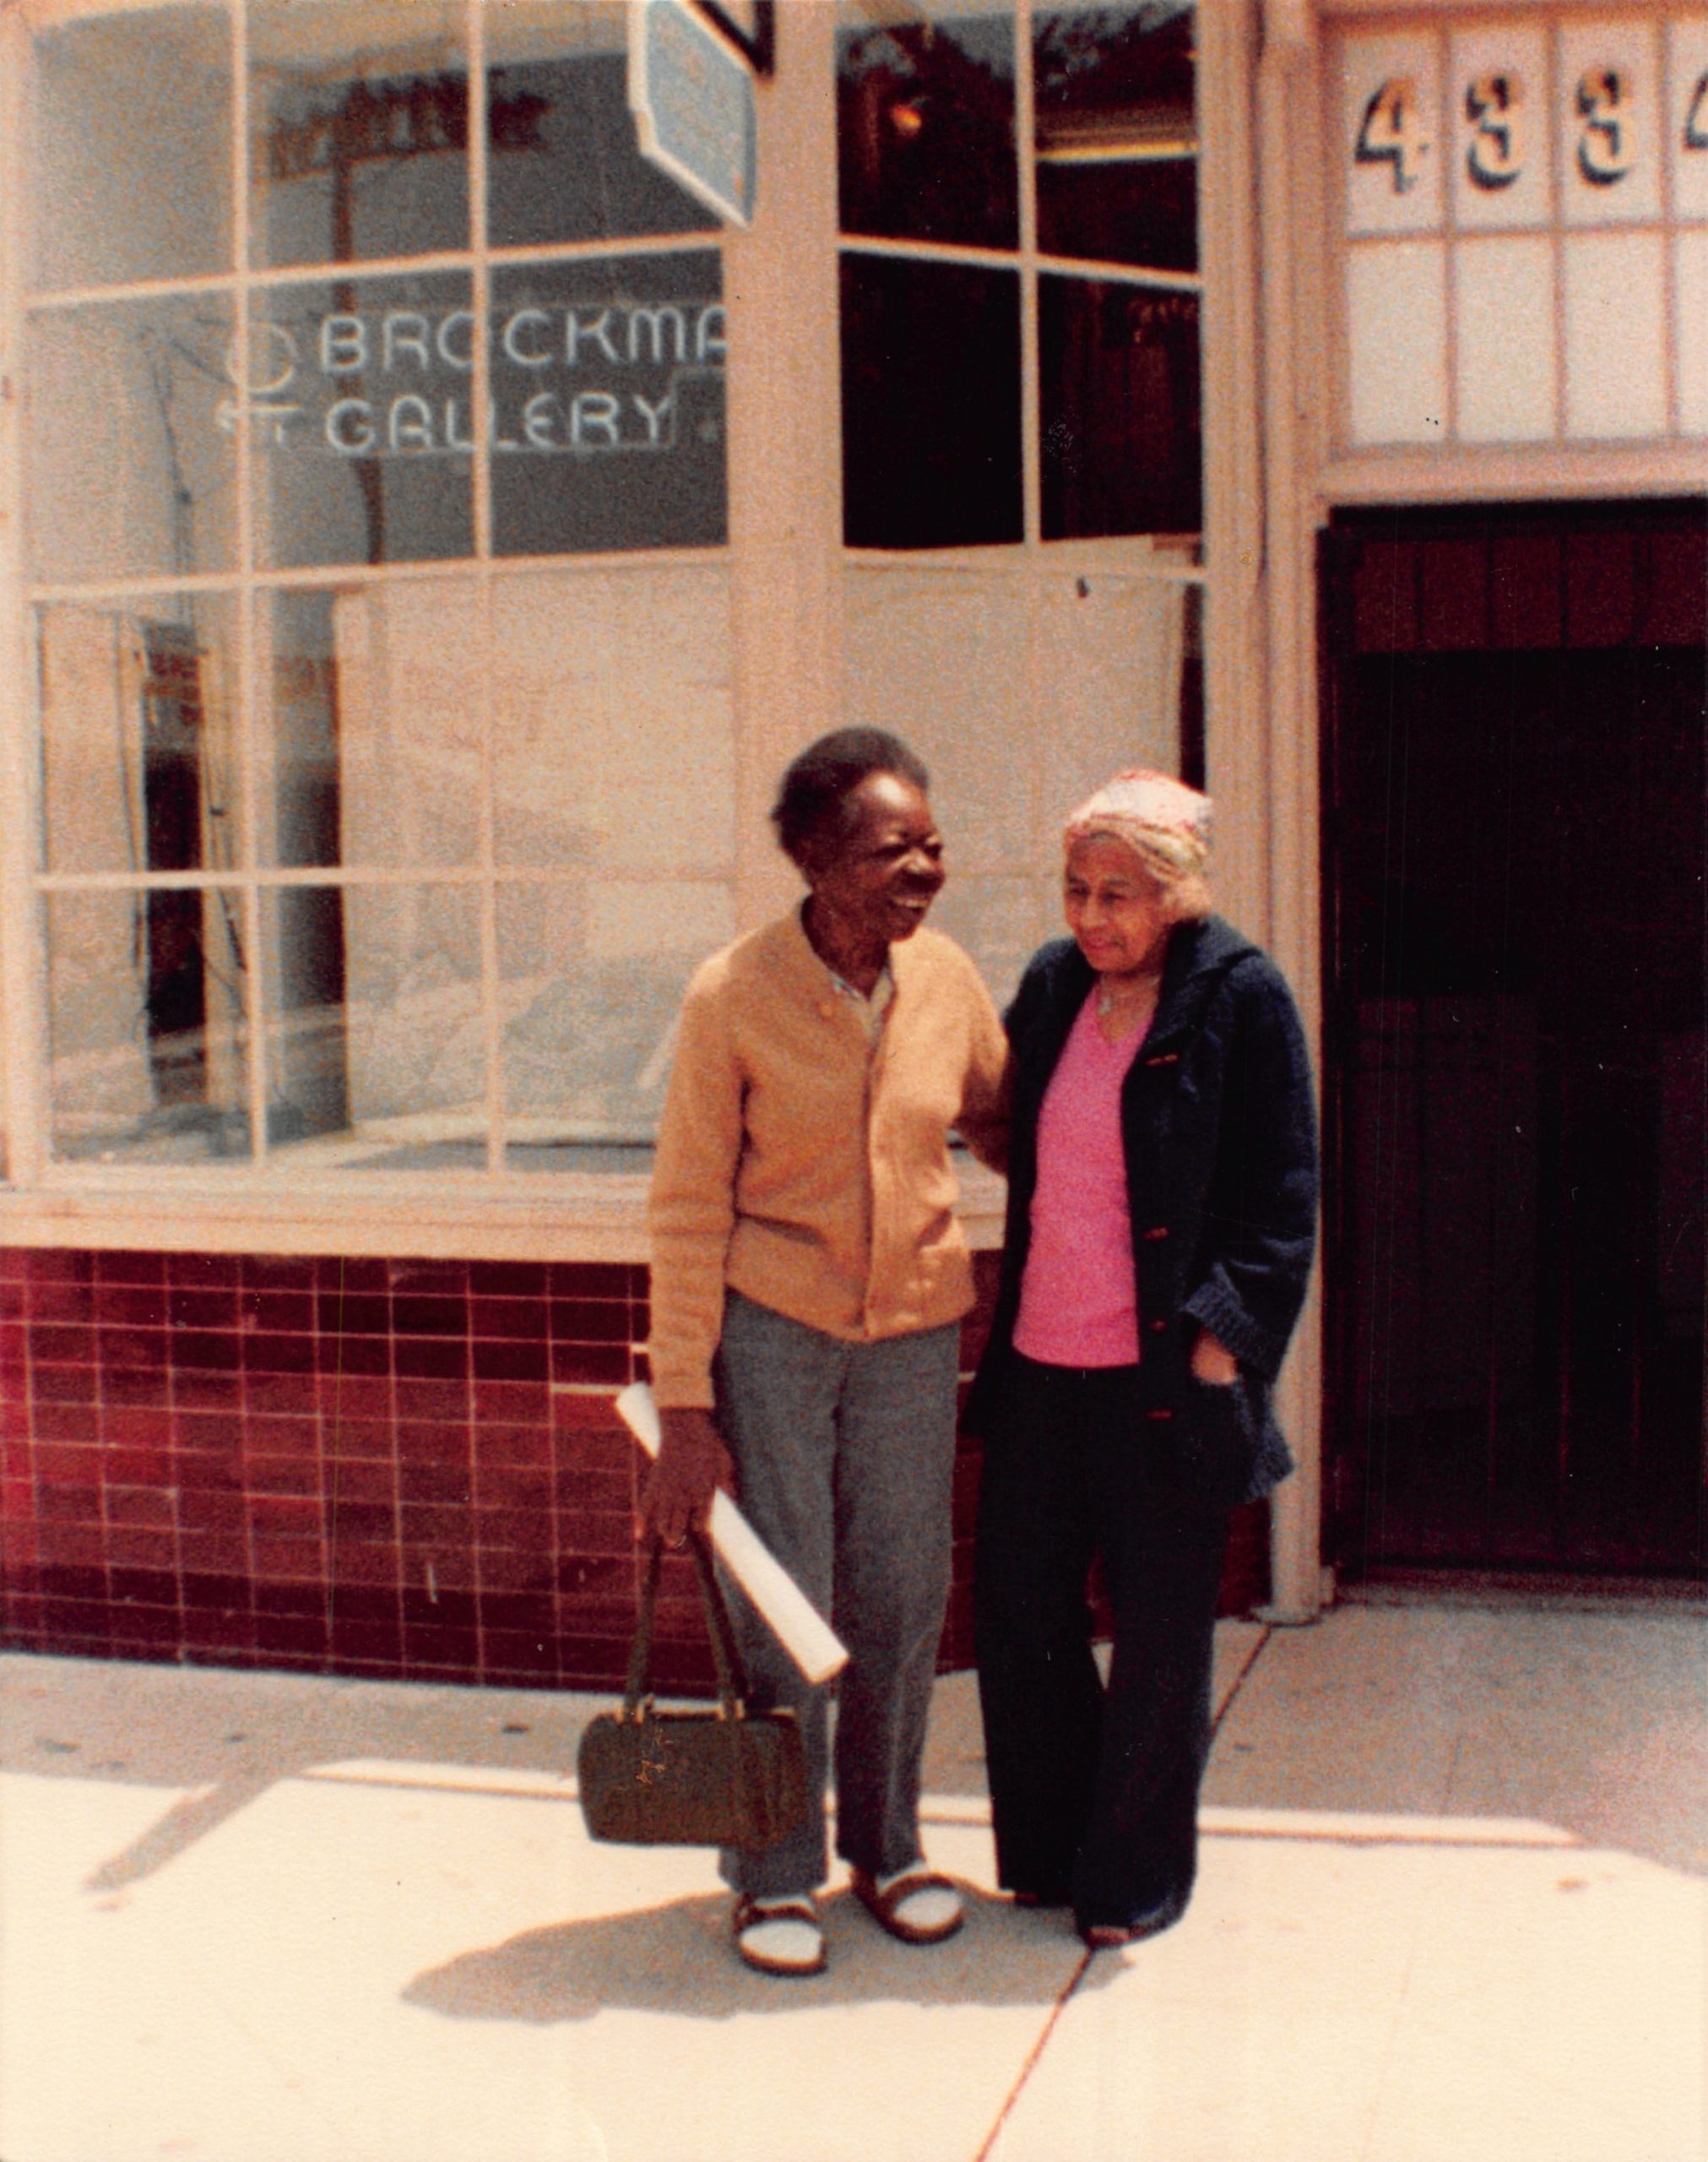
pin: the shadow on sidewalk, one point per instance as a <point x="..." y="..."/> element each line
<point x="678" y="1959"/>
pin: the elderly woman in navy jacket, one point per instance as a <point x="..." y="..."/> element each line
<point x="1161" y="1211"/>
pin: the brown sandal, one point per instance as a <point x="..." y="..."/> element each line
<point x="750" y="1913"/>
<point x="885" y="1906"/>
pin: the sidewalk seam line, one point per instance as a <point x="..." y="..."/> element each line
<point x="1032" y="2057"/>
<point x="1078" y="1975"/>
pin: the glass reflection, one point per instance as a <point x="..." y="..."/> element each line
<point x="145" y="1025"/>
<point x="133" y="145"/>
<point x="360" y="115"/>
<point x="931" y="386"/>
<point x="374" y="1030"/>
<point x="562" y="163"/>
<point x="138" y="735"/>
<point x="1117" y="148"/>
<point x="1120" y="409"/>
<point x="607" y="405"/>
<point x="363" y="420"/>
<point x="131" y="425"/>
<point x="613" y="721"/>
<point x="368" y="731"/>
<point x="925" y="123"/>
<point x="593" y="975"/>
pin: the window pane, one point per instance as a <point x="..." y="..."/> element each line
<point x="613" y="722"/>
<point x="133" y="147"/>
<point x="363" y="420"/>
<point x="562" y="160"/>
<point x="593" y="975"/>
<point x="130" y="466"/>
<point x="1023" y="693"/>
<point x="1120" y="656"/>
<point x="931" y="387"/>
<point x="138" y="736"/>
<point x="608" y="394"/>
<point x="1120" y="409"/>
<point x="145" y="993"/>
<point x="925" y="123"/>
<point x="1117" y="147"/>
<point x="360" y="113"/>
<point x="374" y="1030"/>
<point x="369" y="733"/>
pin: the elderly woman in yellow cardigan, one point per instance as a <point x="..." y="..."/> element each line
<point x="809" y="1279"/>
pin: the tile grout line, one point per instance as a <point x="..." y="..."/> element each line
<point x="1034" y="2055"/>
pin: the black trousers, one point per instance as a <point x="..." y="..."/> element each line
<point x="1094" y="1790"/>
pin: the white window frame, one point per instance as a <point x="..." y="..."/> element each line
<point x="786" y="561"/>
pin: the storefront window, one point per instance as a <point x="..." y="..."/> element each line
<point x="934" y="350"/>
<point x="1024" y="673"/>
<point x="383" y="652"/>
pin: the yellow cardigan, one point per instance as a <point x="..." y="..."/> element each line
<point x="805" y="1169"/>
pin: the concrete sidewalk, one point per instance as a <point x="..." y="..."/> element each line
<point x="1452" y="1906"/>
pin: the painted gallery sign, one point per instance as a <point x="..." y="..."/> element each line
<point x="576" y="378"/>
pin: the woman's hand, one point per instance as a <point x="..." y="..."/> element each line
<point x="1213" y="1363"/>
<point x="692" y="1463"/>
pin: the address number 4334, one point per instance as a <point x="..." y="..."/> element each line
<point x="1396" y="132"/>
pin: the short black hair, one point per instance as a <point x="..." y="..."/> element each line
<point x="818" y="781"/>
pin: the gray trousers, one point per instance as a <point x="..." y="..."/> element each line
<point x="845" y="1454"/>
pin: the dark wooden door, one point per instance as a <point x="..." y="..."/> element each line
<point x="1515" y="1088"/>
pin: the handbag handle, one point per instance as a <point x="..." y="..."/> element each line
<point x="732" y="1681"/>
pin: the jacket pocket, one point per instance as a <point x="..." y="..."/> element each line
<point x="1219" y="1456"/>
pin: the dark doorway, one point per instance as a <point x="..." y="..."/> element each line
<point x="1515" y="703"/>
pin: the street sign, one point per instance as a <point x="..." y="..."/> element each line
<point x="691" y="95"/>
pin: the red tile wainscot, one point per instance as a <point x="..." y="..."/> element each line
<point x="401" y="1468"/>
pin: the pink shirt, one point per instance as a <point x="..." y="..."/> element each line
<point x="1078" y="1302"/>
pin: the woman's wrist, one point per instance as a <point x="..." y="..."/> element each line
<point x="1213" y="1361"/>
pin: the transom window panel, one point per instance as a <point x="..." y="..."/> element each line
<point x="1523" y="205"/>
<point x="383" y="674"/>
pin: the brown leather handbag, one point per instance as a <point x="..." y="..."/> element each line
<point x="728" y="1777"/>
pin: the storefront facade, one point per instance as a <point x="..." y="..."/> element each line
<point x="392" y="707"/>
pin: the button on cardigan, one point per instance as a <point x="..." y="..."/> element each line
<point x="807" y="1169"/>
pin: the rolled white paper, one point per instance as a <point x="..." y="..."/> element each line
<point x="799" y="1628"/>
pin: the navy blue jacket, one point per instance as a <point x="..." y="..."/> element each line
<point x="1219" y="1131"/>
